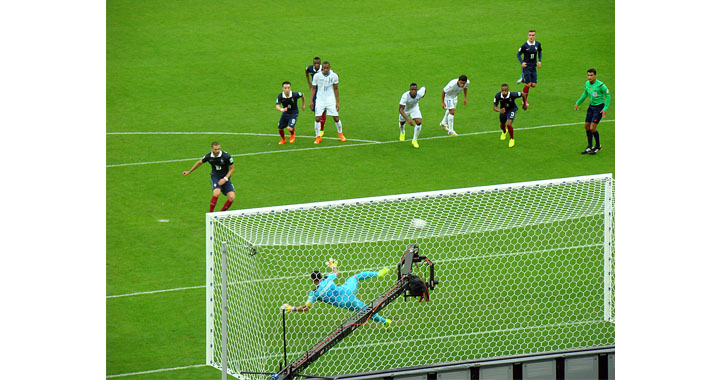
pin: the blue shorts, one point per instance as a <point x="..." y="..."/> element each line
<point x="287" y="120"/>
<point x="594" y="115"/>
<point x="509" y="115"/>
<point x="530" y="75"/>
<point x="226" y="188"/>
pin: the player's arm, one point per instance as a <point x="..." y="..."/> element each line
<point x="312" y="94"/>
<point x="607" y="101"/>
<point x="540" y="54"/>
<point x="307" y="76"/>
<point x="404" y="115"/>
<point x="495" y="107"/>
<point x="466" y="93"/>
<point x="518" y="55"/>
<point x="302" y="96"/>
<point x="225" y="179"/>
<point x="582" y="98"/>
<point x="279" y="106"/>
<point x="196" y="165"/>
<point x="443" y="105"/>
<point x="337" y="96"/>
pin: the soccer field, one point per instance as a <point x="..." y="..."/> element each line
<point x="182" y="74"/>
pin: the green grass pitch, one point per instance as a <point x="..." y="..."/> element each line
<point x="211" y="71"/>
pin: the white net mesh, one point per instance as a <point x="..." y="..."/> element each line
<point x="523" y="268"/>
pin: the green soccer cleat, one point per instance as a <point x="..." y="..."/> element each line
<point x="388" y="322"/>
<point x="402" y="136"/>
<point x="503" y="135"/>
<point x="415" y="144"/>
<point x="383" y="272"/>
<point x="511" y="143"/>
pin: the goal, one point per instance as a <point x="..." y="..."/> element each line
<point x="522" y="268"/>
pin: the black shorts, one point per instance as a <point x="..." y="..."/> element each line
<point x="530" y="75"/>
<point x="594" y="115"/>
<point x="287" y="120"/>
<point x="508" y="115"/>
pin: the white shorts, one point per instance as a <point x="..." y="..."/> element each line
<point x="414" y="113"/>
<point x="451" y="102"/>
<point x="329" y="107"/>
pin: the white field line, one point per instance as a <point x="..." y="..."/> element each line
<point x="157" y="291"/>
<point x="156" y="370"/>
<point x="362" y="142"/>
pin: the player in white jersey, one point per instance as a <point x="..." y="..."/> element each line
<point x="328" y="99"/>
<point x="409" y="112"/>
<point x="449" y="98"/>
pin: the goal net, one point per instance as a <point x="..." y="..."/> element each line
<point x="522" y="268"/>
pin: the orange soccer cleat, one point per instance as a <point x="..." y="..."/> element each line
<point x="292" y="139"/>
<point x="342" y="137"/>
<point x="318" y="140"/>
<point x="281" y="142"/>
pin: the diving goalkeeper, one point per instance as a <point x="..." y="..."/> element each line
<point x="343" y="296"/>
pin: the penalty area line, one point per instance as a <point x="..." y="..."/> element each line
<point x="156" y="370"/>
<point x="360" y="142"/>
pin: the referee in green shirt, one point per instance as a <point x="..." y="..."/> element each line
<point x="599" y="103"/>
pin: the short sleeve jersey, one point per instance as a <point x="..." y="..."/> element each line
<point x="408" y="102"/>
<point x="290" y="101"/>
<point x="597" y="92"/>
<point x="531" y="53"/>
<point x="325" y="83"/>
<point x="508" y="102"/>
<point x="326" y="291"/>
<point x="452" y="89"/>
<point x="311" y="69"/>
<point x="220" y="165"/>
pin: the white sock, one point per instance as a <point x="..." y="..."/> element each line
<point x="450" y="119"/>
<point x="401" y="128"/>
<point x="417" y="129"/>
<point x="338" y="124"/>
<point x="446" y="114"/>
<point x="317" y="129"/>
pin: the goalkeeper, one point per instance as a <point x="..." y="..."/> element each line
<point x="343" y="296"/>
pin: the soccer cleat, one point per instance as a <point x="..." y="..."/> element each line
<point x="281" y="142"/>
<point x="511" y="143"/>
<point x="388" y="322"/>
<point x="520" y="80"/>
<point x="402" y="136"/>
<point x="318" y="140"/>
<point x="503" y="136"/>
<point x="525" y="105"/>
<point x="415" y="144"/>
<point x="588" y="150"/>
<point x="342" y="137"/>
<point x="385" y="271"/>
<point x="292" y="139"/>
<point x="453" y="133"/>
<point x="322" y="133"/>
<point x="597" y="148"/>
<point x="444" y="127"/>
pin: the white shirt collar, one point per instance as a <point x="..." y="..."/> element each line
<point x="290" y="95"/>
<point x="507" y="95"/>
<point x="531" y="44"/>
<point x="219" y="154"/>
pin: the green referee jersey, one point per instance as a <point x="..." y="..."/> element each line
<point x="598" y="94"/>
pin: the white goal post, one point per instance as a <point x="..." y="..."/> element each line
<point x="522" y="268"/>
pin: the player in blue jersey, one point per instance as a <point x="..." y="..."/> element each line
<point x="343" y="296"/>
<point x="532" y="53"/>
<point x="287" y="104"/>
<point x="221" y="171"/>
<point x="310" y="72"/>
<point x="504" y="103"/>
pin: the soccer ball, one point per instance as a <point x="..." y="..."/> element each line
<point x="418" y="224"/>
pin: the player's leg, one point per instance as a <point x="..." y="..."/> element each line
<point x="322" y="124"/>
<point x="593" y="127"/>
<point x="214" y="199"/>
<point x="530" y="77"/>
<point x="281" y="126"/>
<point x="354" y="304"/>
<point x="229" y="191"/>
<point x="511" y="141"/>
<point x="402" y="121"/>
<point x="450" y="121"/>
<point x="502" y="118"/>
<point x="331" y="110"/>
<point x="589" y="134"/>
<point x="417" y="131"/>
<point x="319" y="110"/>
<point x="291" y="127"/>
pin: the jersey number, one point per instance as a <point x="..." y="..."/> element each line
<point x="532" y="56"/>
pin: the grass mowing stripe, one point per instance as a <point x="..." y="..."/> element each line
<point x="365" y="142"/>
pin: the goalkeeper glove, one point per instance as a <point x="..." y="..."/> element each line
<point x="331" y="263"/>
<point x="286" y="307"/>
